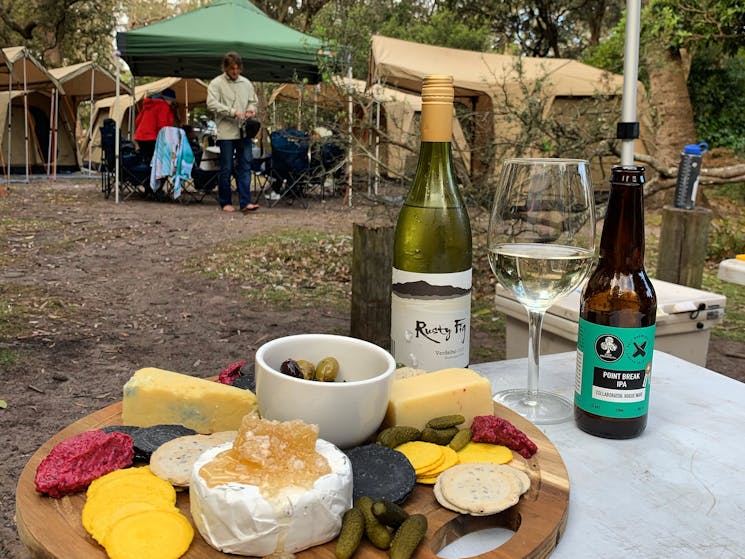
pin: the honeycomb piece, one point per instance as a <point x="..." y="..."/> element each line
<point x="270" y="455"/>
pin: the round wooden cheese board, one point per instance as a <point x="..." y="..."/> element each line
<point x="52" y="529"/>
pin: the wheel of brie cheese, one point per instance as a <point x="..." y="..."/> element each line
<point x="237" y="518"/>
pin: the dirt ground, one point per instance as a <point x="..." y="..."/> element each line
<point x="114" y="297"/>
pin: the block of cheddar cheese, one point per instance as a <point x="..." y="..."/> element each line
<point x="416" y="400"/>
<point x="154" y="396"/>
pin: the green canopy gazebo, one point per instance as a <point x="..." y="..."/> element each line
<point x="192" y="45"/>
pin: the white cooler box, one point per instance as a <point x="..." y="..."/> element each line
<point x="684" y="320"/>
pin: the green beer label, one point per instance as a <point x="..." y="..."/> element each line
<point x="613" y="370"/>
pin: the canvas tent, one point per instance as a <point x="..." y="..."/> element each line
<point x="83" y="82"/>
<point x="37" y="106"/>
<point x="21" y="72"/>
<point x="484" y="81"/>
<point x="396" y="146"/>
<point x="192" y="45"/>
<point x="189" y="93"/>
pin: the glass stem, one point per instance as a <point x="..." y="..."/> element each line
<point x="535" y="322"/>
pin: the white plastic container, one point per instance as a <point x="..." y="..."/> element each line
<point x="732" y="270"/>
<point x="685" y="317"/>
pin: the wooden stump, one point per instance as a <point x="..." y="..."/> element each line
<point x="682" y="250"/>
<point x="372" y="259"/>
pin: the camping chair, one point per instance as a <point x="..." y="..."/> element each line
<point x="203" y="180"/>
<point x="327" y="162"/>
<point x="134" y="174"/>
<point x="261" y="177"/>
<point x="290" y="165"/>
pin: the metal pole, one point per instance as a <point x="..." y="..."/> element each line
<point x="25" y="111"/>
<point x="630" y="75"/>
<point x="90" y="121"/>
<point x="116" y="130"/>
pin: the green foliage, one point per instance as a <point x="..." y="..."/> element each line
<point x="717" y="88"/>
<point x="726" y="239"/>
<point x="352" y="26"/>
<point x="733" y="327"/>
<point x="444" y="29"/>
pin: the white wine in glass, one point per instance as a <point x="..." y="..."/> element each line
<point x="541" y="246"/>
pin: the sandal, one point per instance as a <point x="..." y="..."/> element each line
<point x="250" y="208"/>
<point x="228" y="208"/>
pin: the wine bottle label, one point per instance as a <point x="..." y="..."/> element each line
<point x="431" y="319"/>
<point x="613" y="370"/>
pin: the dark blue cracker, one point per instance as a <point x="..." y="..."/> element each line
<point x="381" y="473"/>
<point x="247" y="382"/>
<point x="148" y="439"/>
<point x="128" y="429"/>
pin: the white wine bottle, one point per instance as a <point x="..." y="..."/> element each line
<point x="431" y="291"/>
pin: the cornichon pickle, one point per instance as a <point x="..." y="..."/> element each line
<point x="408" y="536"/>
<point x="438" y="436"/>
<point x="327" y="369"/>
<point x="352" y="529"/>
<point x="461" y="439"/>
<point x="400" y="434"/>
<point x="376" y="532"/>
<point x="389" y="513"/>
<point x="307" y="368"/>
<point x="446" y="421"/>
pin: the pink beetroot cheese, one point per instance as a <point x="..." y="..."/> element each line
<point x="75" y="462"/>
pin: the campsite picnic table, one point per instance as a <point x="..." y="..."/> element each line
<point x="676" y="490"/>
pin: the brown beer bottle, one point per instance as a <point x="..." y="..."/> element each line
<point x="617" y="320"/>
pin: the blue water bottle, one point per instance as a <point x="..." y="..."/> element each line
<point x="688" y="174"/>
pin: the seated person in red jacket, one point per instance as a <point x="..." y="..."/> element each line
<point x="157" y="112"/>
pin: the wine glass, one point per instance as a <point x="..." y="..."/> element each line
<point x="541" y="244"/>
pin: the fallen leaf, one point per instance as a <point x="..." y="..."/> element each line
<point x="3" y="404"/>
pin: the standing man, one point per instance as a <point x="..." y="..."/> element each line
<point x="233" y="99"/>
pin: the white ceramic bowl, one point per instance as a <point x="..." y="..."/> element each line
<point x="347" y="411"/>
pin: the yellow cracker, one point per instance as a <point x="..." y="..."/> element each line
<point x="421" y="454"/>
<point x="428" y="480"/>
<point x="433" y="466"/>
<point x="450" y="459"/>
<point x="484" y="452"/>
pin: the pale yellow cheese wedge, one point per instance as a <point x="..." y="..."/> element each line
<point x="154" y="396"/>
<point x="416" y="400"/>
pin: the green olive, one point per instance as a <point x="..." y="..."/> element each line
<point x="309" y="371"/>
<point x="327" y="369"/>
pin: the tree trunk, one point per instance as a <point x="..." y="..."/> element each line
<point x="668" y="93"/>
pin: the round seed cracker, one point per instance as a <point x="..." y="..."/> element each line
<point x="437" y="490"/>
<point x="522" y="477"/>
<point x="480" y="488"/>
<point x="173" y="460"/>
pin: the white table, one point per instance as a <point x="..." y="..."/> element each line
<point x="676" y="491"/>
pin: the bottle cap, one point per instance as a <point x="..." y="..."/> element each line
<point x="696" y="149"/>
<point x="437" y="108"/>
<point x="437" y="89"/>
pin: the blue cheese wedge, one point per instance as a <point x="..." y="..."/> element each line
<point x="155" y="396"/>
